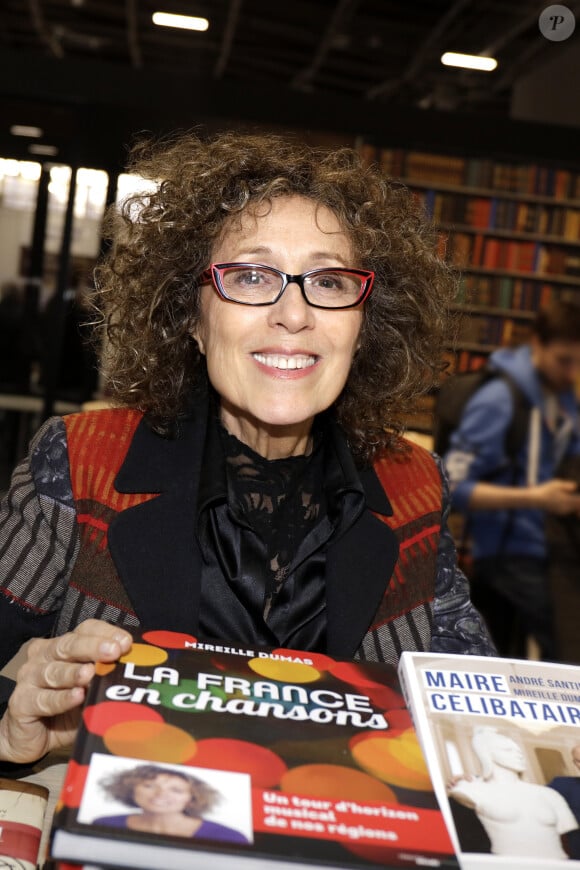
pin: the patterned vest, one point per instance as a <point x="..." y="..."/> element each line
<point x="404" y="618"/>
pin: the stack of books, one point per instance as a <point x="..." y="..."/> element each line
<point x="262" y="759"/>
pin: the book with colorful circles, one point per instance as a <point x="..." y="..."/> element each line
<point x="191" y="752"/>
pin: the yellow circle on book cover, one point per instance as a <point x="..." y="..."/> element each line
<point x="22" y="809"/>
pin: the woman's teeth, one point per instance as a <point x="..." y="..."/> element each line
<point x="277" y="361"/>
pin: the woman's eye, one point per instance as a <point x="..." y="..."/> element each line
<point x="327" y="281"/>
<point x="251" y="278"/>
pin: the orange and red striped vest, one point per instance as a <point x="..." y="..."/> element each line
<point x="411" y="481"/>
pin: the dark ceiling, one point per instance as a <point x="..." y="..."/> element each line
<point x="94" y="72"/>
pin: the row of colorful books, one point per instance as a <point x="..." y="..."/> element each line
<point x="493" y="330"/>
<point x="501" y="291"/>
<point x="469" y="249"/>
<point x="502" y="214"/>
<point x="526" y="179"/>
<point x="191" y="754"/>
<point x="523" y="178"/>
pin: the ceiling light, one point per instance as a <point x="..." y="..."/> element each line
<point x="47" y="150"/>
<point x="185" y="22"/>
<point x="469" y="61"/>
<point x="23" y="130"/>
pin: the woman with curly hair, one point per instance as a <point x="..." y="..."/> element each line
<point x="168" y="801"/>
<point x="271" y="313"/>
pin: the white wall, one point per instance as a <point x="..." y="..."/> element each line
<point x="15" y="231"/>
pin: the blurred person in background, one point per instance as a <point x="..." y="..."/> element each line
<point x="505" y="502"/>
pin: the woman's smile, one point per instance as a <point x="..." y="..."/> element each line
<point x="286" y="362"/>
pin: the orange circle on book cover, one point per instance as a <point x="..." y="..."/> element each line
<point x="104" y="668"/>
<point x="169" y="639"/>
<point x="350" y="672"/>
<point x="145" y="655"/>
<point x="150" y="741"/>
<point x="98" y="718"/>
<point x="290" y="672"/>
<point x="335" y="781"/>
<point x="240" y="756"/>
<point x="397" y="760"/>
<point x="318" y="660"/>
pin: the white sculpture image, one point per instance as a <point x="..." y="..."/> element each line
<point x="521" y="818"/>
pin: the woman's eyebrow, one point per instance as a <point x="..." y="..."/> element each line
<point x="260" y="250"/>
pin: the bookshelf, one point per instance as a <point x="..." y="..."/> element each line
<point x="512" y="231"/>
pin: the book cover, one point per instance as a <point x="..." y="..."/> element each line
<point x="277" y="756"/>
<point x="502" y="741"/>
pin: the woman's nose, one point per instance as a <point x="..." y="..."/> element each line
<point x="292" y="310"/>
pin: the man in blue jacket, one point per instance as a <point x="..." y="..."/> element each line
<point x="506" y="501"/>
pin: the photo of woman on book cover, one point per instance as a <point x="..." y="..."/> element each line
<point x="165" y="800"/>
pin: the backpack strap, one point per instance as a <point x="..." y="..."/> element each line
<point x="518" y="429"/>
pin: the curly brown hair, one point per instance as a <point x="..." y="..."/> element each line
<point x="148" y="285"/>
<point x="121" y="787"/>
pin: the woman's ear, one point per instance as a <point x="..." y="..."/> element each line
<point x="196" y="335"/>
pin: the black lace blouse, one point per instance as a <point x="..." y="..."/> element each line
<point x="281" y="502"/>
<point x="263" y="531"/>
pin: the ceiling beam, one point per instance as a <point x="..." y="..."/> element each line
<point x="342" y="12"/>
<point x="44" y="32"/>
<point x="390" y="86"/>
<point x="133" y="34"/>
<point x="94" y="110"/>
<point x="228" y="38"/>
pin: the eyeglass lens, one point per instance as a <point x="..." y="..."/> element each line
<point x="328" y="288"/>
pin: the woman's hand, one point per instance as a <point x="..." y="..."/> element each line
<point x="44" y="709"/>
